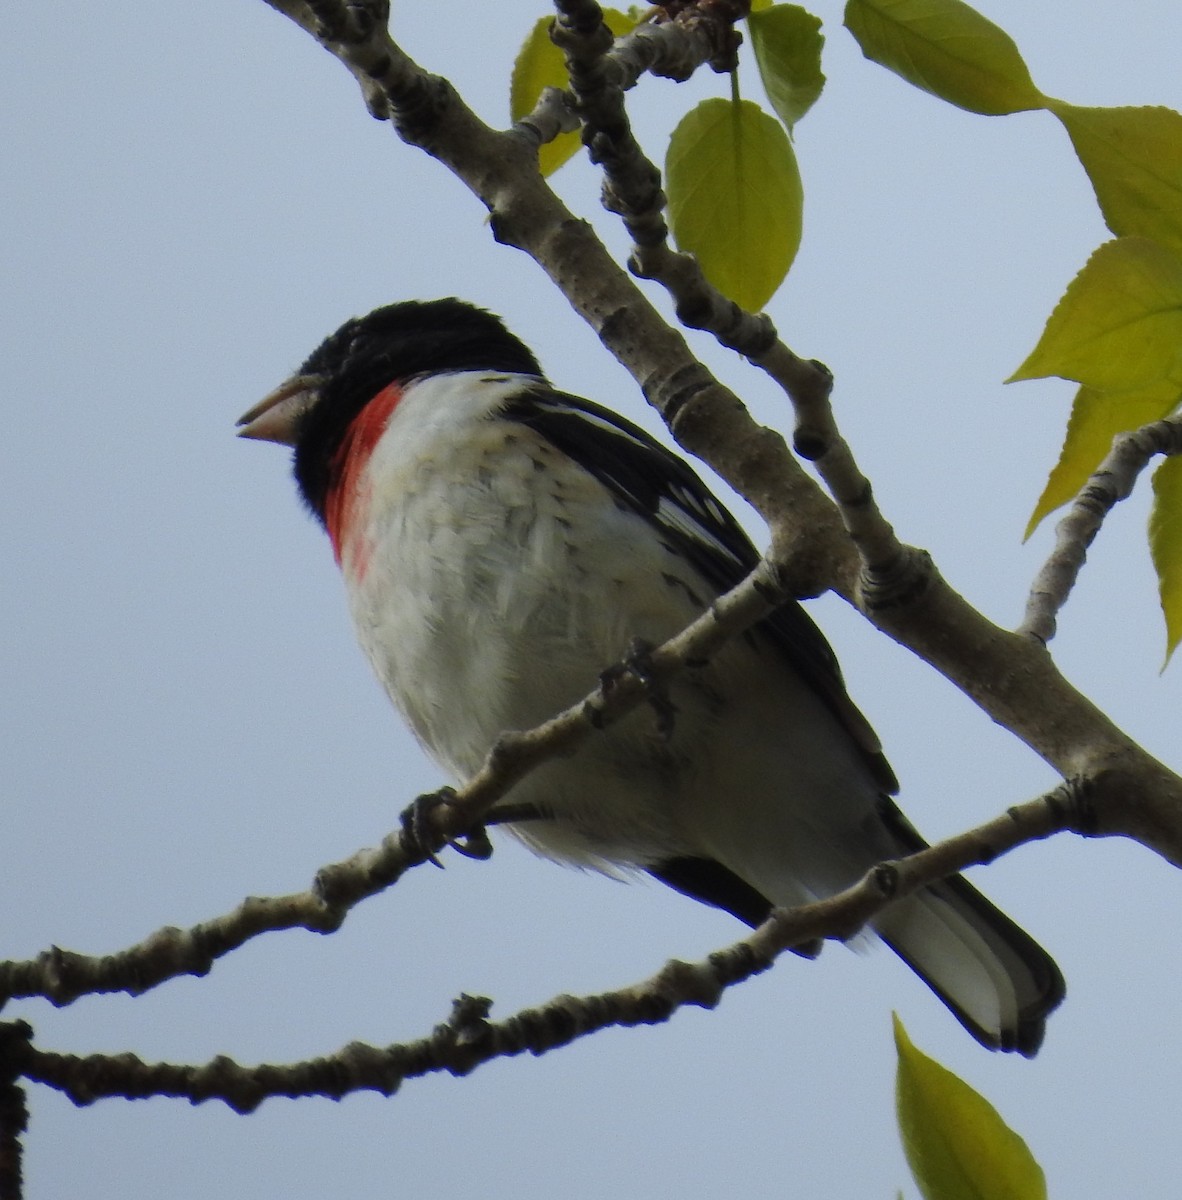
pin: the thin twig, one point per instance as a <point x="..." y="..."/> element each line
<point x="1112" y="481"/>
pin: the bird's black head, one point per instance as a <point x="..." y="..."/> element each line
<point x="413" y="338"/>
<point x="394" y="344"/>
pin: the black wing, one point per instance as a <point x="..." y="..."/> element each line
<point x="665" y="490"/>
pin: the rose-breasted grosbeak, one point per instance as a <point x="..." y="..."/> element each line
<point x="502" y="542"/>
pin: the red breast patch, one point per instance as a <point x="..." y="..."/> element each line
<point x="347" y="498"/>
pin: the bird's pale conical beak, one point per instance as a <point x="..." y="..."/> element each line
<point x="277" y="415"/>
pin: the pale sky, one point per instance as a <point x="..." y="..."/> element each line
<point x="193" y="196"/>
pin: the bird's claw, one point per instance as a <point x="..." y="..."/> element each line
<point x="422" y="842"/>
<point x="638" y="662"/>
<point x="419" y="838"/>
<point x="475" y="844"/>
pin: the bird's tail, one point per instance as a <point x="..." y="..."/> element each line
<point x="996" y="979"/>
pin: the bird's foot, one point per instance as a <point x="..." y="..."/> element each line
<point x="638" y="662"/>
<point x="420" y="839"/>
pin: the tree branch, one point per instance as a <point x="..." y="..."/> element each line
<point x="1112" y="481"/>
<point x="468" y="1038"/>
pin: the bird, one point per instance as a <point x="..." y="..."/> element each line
<point x="501" y="542"/>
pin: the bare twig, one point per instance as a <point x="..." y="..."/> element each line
<point x="601" y="72"/>
<point x="1112" y="481"/>
<point x="468" y="1038"/>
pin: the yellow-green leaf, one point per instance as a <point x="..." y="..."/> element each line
<point x="1165" y="544"/>
<point x="540" y="65"/>
<point x="760" y="5"/>
<point x="1133" y="156"/>
<point x="957" y="1145"/>
<point x="735" y="198"/>
<point x="1118" y="326"/>
<point x="948" y="49"/>
<point x="1096" y="418"/>
<point x="787" y="42"/>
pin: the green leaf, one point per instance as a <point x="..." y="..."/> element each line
<point x="1165" y="544"/>
<point x="787" y="42"/>
<point x="1118" y="326"/>
<point x="946" y="48"/>
<point x="760" y="5"/>
<point x="1133" y="156"/>
<point x="735" y="198"/>
<point x="540" y="65"/>
<point x="957" y="1145"/>
<point x="1096" y="418"/>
